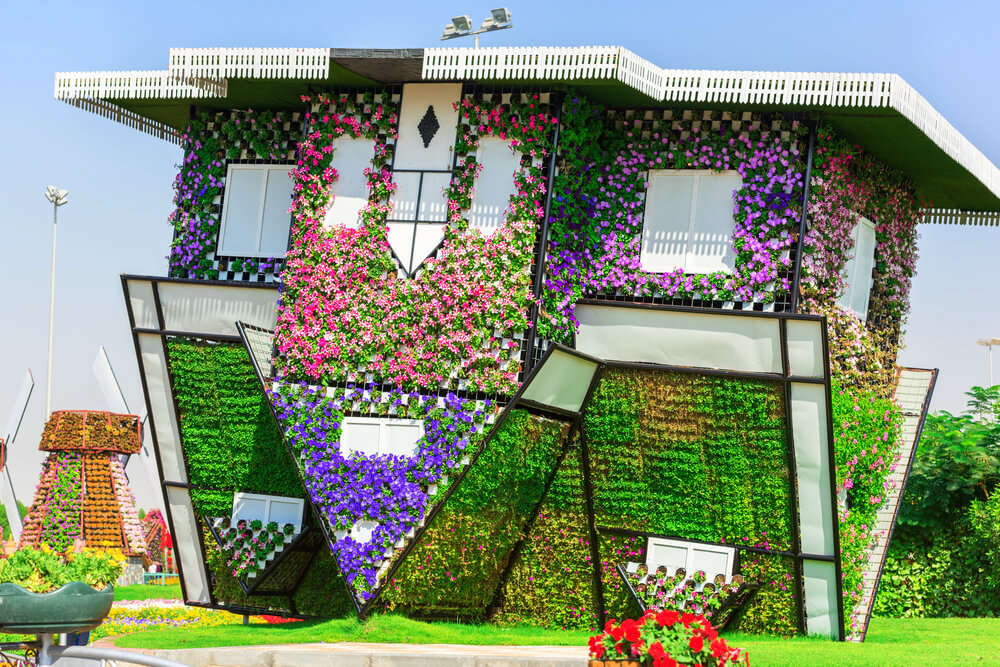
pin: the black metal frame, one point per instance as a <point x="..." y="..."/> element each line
<point x="787" y="380"/>
<point x="803" y="219"/>
<point x="162" y="334"/>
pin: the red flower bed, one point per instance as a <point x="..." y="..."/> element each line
<point x="665" y="639"/>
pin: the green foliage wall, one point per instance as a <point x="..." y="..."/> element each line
<point x="455" y="569"/>
<point x="228" y="435"/>
<point x="696" y="457"/>
<point x="552" y="582"/>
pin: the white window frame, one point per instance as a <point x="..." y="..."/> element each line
<point x="269" y="169"/>
<point x="384" y="424"/>
<point x="690" y="239"/>
<point x="690" y="546"/>
<point x="854" y="282"/>
<point x="240" y="497"/>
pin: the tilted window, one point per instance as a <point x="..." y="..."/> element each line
<point x="255" y="217"/>
<point x="713" y="559"/>
<point x="688" y="221"/>
<point x="858" y="269"/>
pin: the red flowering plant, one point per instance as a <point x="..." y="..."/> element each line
<point x="665" y="639"/>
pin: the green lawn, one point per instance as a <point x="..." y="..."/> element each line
<point x="933" y="641"/>
<point x="148" y="592"/>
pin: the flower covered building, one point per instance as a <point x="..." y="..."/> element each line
<point x="473" y="333"/>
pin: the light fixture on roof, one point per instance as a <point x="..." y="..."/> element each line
<point x="461" y="26"/>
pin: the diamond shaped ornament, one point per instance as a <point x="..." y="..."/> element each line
<point x="428" y="126"/>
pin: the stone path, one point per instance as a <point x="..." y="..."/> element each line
<point x="356" y="654"/>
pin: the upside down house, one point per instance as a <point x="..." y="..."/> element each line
<point x="535" y="334"/>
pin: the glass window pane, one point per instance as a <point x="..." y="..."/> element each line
<point x="666" y="220"/>
<point x="664" y="553"/>
<point x="404" y="199"/>
<point x="434" y="198"/>
<point x="241" y="211"/>
<point x="712" y="561"/>
<point x="274" y="231"/>
<point x="710" y="247"/>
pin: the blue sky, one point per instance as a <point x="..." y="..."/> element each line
<point x="120" y="180"/>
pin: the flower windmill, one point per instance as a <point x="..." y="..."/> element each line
<point x="83" y="493"/>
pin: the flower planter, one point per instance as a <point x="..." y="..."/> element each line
<point x="76" y="607"/>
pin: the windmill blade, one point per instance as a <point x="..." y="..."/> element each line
<point x="115" y="397"/>
<point x="9" y="435"/>
<point x="108" y="383"/>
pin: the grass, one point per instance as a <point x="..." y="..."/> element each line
<point x="148" y="592"/>
<point x="930" y="641"/>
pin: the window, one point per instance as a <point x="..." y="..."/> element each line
<point x="372" y="436"/>
<point x="858" y="269"/>
<point x="688" y="221"/>
<point x="255" y="217"/>
<point x="692" y="556"/>
<point x="281" y="510"/>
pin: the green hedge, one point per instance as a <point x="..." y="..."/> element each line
<point x="696" y="457"/>
<point x="228" y="435"/>
<point x="455" y="570"/>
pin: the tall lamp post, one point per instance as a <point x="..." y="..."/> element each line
<point x="988" y="343"/>
<point x="57" y="198"/>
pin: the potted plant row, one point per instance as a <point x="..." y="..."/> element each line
<point x="253" y="544"/>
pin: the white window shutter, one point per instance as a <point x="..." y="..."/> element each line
<point x="495" y="184"/>
<point x="666" y="220"/>
<point x="243" y="201"/>
<point x="864" y="265"/>
<point x="349" y="193"/>
<point x="858" y="269"/>
<point x="276" y="218"/>
<point x="710" y="245"/>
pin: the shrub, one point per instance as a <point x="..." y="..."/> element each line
<point x="666" y="639"/>
<point x="43" y="570"/>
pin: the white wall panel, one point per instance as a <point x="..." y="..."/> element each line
<point x="404" y="199"/>
<point x="820" y="584"/>
<point x="434" y="198"/>
<point x="349" y="193"/>
<point x="675" y="338"/>
<point x="187" y="544"/>
<point x="400" y="237"/>
<point x="427" y="238"/>
<point x="410" y="150"/>
<point x="562" y="381"/>
<point x="140" y="297"/>
<point x="812" y="462"/>
<point x="381" y="435"/>
<point x="215" y="309"/>
<point x="161" y="404"/>
<point x="495" y="185"/>
<point x="805" y="348"/>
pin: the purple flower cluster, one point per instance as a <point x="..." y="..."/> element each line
<point x="597" y="221"/>
<point x="391" y="490"/>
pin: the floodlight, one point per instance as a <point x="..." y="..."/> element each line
<point x="55" y="195"/>
<point x="487" y="24"/>
<point x="462" y="23"/>
<point x="500" y="16"/>
<point x="449" y="31"/>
